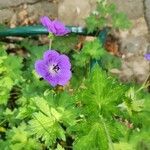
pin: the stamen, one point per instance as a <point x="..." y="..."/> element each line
<point x="56" y="68"/>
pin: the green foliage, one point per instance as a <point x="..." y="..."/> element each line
<point x="98" y="105"/>
<point x="95" y="139"/>
<point x="19" y="139"/>
<point x="122" y="146"/>
<point x="67" y="43"/>
<point x="109" y="61"/>
<point x="44" y="118"/>
<point x="10" y="73"/>
<point x="90" y="50"/>
<point x="51" y="115"/>
<point x="106" y="15"/>
<point x="102" y="101"/>
<point x="94" y="112"/>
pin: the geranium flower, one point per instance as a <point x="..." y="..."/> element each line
<point x="54" y="67"/>
<point x="54" y="26"/>
<point x="147" y="56"/>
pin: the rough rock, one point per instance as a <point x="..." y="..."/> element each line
<point x="43" y="8"/>
<point x="135" y="40"/>
<point x="74" y="12"/>
<point x="134" y="44"/>
<point x="133" y="8"/>
<point x="134" y="68"/>
<point x="13" y="3"/>
<point x="5" y="15"/>
<point x="147" y="12"/>
<point x="35" y="9"/>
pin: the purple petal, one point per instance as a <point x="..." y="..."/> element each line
<point x="47" y="23"/>
<point x="60" y="28"/>
<point x="58" y="76"/>
<point x="64" y="76"/>
<point x="52" y="80"/>
<point x="56" y="27"/>
<point x="64" y="62"/>
<point x="40" y="68"/>
<point x="147" y="56"/>
<point x="51" y="56"/>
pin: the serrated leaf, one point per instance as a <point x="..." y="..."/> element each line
<point x="95" y="140"/>
<point x="90" y="50"/>
<point x="123" y="146"/>
<point x="47" y="121"/>
<point x="19" y="138"/>
<point x="46" y="128"/>
<point x="97" y="98"/>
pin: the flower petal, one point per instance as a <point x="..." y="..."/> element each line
<point x="147" y="56"/>
<point x="64" y="76"/>
<point x="51" y="56"/>
<point x="64" y="62"/>
<point x="52" y="80"/>
<point x="40" y="68"/>
<point x="60" y="28"/>
<point x="47" y="23"/>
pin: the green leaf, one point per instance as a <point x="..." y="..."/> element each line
<point x="50" y="116"/>
<point x="90" y="50"/>
<point x="123" y="146"/>
<point x="19" y="138"/>
<point x="59" y="147"/>
<point x="10" y="74"/>
<point x="91" y="23"/>
<point x="131" y="102"/>
<point x="97" y="98"/>
<point x="106" y="15"/>
<point x="47" y="128"/>
<point x="67" y="43"/>
<point x="120" y="20"/>
<point x="96" y="139"/>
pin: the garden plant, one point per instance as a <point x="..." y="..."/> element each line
<point x="58" y="98"/>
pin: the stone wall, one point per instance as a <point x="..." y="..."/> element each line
<point x="72" y="12"/>
<point x="33" y="8"/>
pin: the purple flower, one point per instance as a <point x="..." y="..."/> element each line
<point x="54" y="67"/>
<point x="54" y="26"/>
<point x="147" y="56"/>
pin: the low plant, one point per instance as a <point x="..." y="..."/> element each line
<point x="40" y="109"/>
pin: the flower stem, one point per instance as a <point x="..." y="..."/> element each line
<point x="2" y="122"/>
<point x="50" y="36"/>
<point x="146" y="83"/>
<point x="50" y="43"/>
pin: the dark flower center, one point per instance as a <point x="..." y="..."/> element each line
<point x="55" y="68"/>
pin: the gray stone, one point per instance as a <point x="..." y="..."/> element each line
<point x="147" y="12"/>
<point x="134" y="68"/>
<point x="135" y="40"/>
<point x="34" y="11"/>
<point x="13" y="3"/>
<point x="133" y="8"/>
<point x="43" y="8"/>
<point x="74" y="12"/>
<point x="5" y="15"/>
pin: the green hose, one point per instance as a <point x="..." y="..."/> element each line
<point x="39" y="29"/>
<point x="35" y="30"/>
